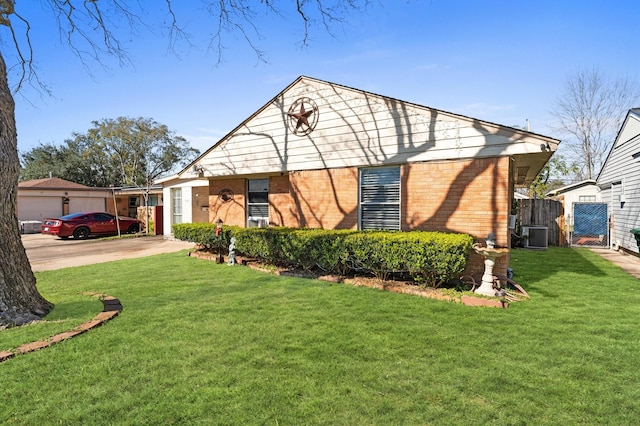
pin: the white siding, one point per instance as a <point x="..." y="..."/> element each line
<point x="620" y="179"/>
<point x="357" y="129"/>
<point x="187" y="212"/>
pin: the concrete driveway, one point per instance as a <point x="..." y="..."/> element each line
<point x="46" y="252"/>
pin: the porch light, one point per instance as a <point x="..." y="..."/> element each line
<point x="218" y="233"/>
<point x="218" y="223"/>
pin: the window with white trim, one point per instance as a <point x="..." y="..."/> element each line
<point x="176" y="205"/>
<point x="380" y="198"/>
<point x="257" y="202"/>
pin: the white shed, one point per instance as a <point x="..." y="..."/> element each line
<point x="585" y="191"/>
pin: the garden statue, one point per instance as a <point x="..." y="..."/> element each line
<point x="232" y="252"/>
<point x="491" y="241"/>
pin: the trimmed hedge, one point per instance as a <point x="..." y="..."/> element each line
<point x="203" y="234"/>
<point x="428" y="257"/>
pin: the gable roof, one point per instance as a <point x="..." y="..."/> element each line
<point x="628" y="134"/>
<point x="359" y="128"/>
<point x="571" y="187"/>
<point x="51" y="183"/>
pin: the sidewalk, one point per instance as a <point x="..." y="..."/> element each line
<point x="628" y="262"/>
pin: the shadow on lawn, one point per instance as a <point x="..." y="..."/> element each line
<point x="532" y="267"/>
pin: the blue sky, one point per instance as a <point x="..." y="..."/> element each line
<point x="500" y="61"/>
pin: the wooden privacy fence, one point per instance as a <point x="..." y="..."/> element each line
<point x="543" y="212"/>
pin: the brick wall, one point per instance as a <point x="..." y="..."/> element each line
<point x="231" y="212"/>
<point x="469" y="196"/>
<point x="323" y="199"/>
<point x="200" y="200"/>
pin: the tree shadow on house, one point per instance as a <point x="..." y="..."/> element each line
<point x="367" y="131"/>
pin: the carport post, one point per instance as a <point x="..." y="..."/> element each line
<point x="115" y="207"/>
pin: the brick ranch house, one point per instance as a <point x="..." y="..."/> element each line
<point x="322" y="155"/>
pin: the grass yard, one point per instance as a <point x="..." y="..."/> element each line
<point x="202" y="343"/>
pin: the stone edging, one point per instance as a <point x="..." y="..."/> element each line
<point x="112" y="308"/>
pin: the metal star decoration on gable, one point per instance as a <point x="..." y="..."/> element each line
<point x="303" y="116"/>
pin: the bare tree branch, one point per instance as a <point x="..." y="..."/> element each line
<point x="590" y="112"/>
<point x="92" y="28"/>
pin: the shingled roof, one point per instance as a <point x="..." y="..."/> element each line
<point x="51" y="183"/>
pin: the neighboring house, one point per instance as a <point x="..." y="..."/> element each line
<point x="586" y="191"/>
<point x="322" y="155"/>
<point x="619" y="181"/>
<point x="52" y="197"/>
<point x="520" y="196"/>
<point x="130" y="201"/>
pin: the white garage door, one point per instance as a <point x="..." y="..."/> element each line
<point x="86" y="204"/>
<point x="38" y="208"/>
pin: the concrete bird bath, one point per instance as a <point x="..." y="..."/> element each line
<point x="490" y="255"/>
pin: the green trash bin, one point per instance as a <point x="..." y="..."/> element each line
<point x="636" y="233"/>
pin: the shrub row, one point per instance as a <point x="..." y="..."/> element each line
<point x="203" y="234"/>
<point x="428" y="257"/>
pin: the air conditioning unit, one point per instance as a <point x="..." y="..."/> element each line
<point x="535" y="236"/>
<point x="257" y="222"/>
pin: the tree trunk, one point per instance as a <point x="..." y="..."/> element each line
<point x="20" y="301"/>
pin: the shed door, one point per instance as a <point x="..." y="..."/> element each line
<point x="590" y="225"/>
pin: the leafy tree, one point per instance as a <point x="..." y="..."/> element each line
<point x="139" y="150"/>
<point x="75" y="160"/>
<point x="86" y="27"/>
<point x="42" y="161"/>
<point x="114" y="152"/>
<point x="590" y="111"/>
<point x="552" y="176"/>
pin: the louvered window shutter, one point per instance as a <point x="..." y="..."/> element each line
<point x="380" y="198"/>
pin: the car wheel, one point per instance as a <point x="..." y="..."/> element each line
<point x="133" y="229"/>
<point x="81" y="233"/>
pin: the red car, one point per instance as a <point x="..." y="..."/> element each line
<point x="81" y="225"/>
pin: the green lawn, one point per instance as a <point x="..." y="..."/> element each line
<point x="202" y="343"/>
